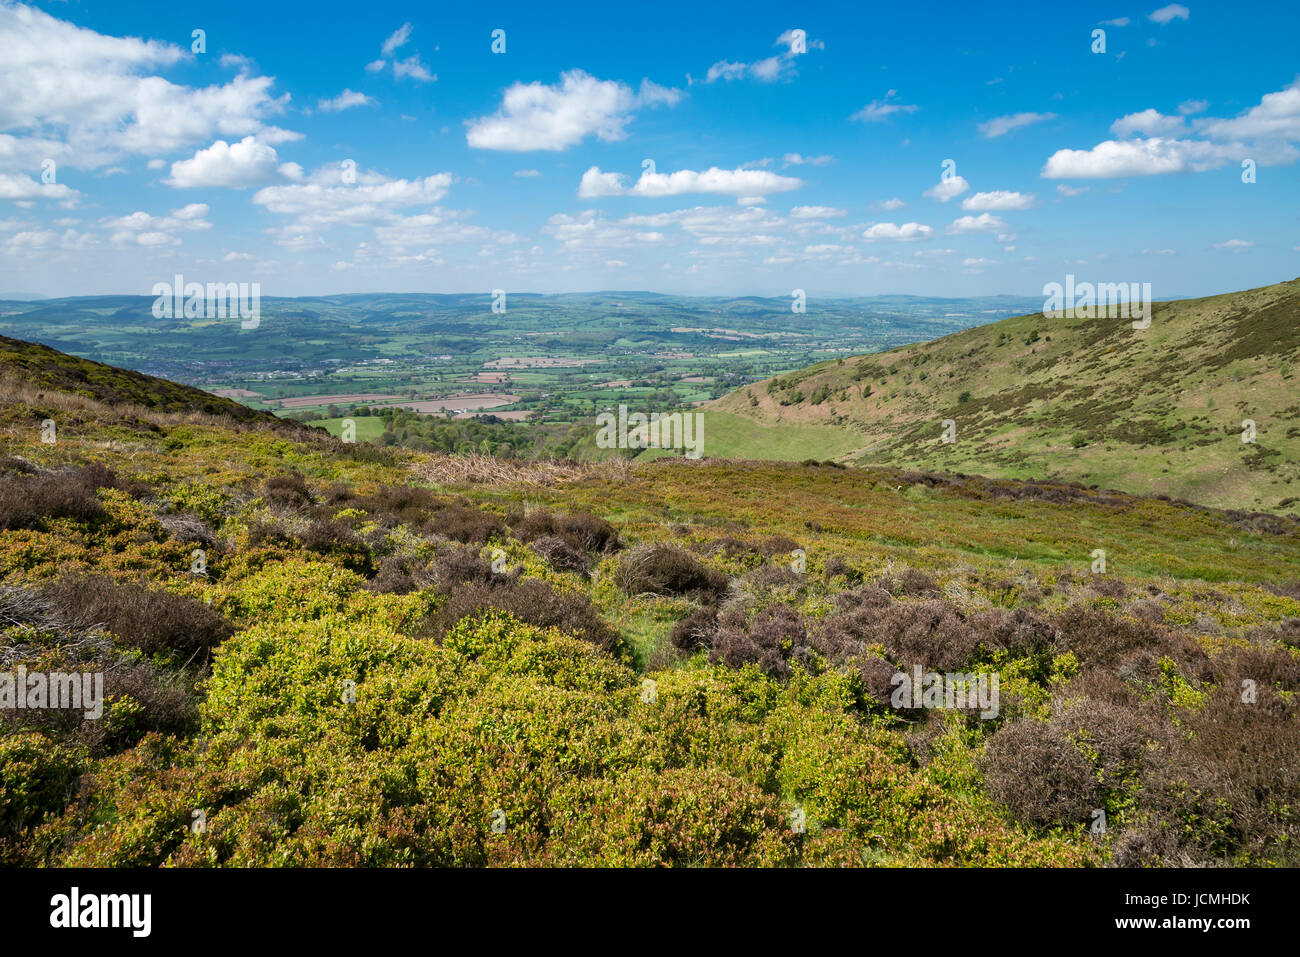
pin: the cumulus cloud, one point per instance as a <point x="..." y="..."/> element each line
<point x="539" y="116"/>
<point x="816" y="212"/>
<point x="727" y="182"/>
<point x="143" y="229"/>
<point x="1266" y="132"/>
<point x="412" y="66"/>
<point x="796" y="159"/>
<point x="882" y="109"/>
<point x="906" y="232"/>
<point x="1277" y="117"/>
<point x="344" y="101"/>
<point x="1149" y="123"/>
<point x="87" y="99"/>
<point x="31" y="243"/>
<point x="1148" y="157"/>
<point x="234" y="166"/>
<point x="396" y="40"/>
<point x="947" y="189"/>
<point x="16" y="186"/>
<point x="1235" y="245"/>
<point x="769" y="69"/>
<point x="328" y="198"/>
<point x="984" y="222"/>
<point x="998" y="200"/>
<point x="1002" y="125"/>
<point x="1175" y="11"/>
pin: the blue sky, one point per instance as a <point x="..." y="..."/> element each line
<point x="385" y="147"/>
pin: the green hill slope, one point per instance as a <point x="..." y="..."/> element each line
<point x="1154" y="411"/>
<point x="28" y="369"/>
<point x="342" y="655"/>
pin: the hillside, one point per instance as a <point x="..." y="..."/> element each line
<point x="1155" y="411"/>
<point x="342" y="655"/>
<point x="28" y="369"/>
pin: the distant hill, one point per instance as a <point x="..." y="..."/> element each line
<point x="1153" y="411"/>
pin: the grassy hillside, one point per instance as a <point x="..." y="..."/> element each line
<point x="1154" y="411"/>
<point x="31" y="368"/>
<point x="393" y="658"/>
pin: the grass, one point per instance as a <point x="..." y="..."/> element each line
<point x="369" y="428"/>
<point x="1158" y="411"/>
<point x="728" y="435"/>
<point x="495" y="713"/>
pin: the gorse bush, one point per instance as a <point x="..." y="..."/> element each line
<point x="503" y="721"/>
<point x="360" y="678"/>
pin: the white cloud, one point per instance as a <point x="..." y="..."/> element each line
<point x="727" y="182"/>
<point x="396" y="40"/>
<point x="1235" y="245"/>
<point x="86" y="99"/>
<point x="1188" y="107"/>
<point x="894" y="203"/>
<point x="526" y="173"/>
<point x="1175" y="11"/>
<point x="999" y="200"/>
<point x="16" y="186"/>
<point x="587" y="231"/>
<point x="1071" y="190"/>
<point x="1149" y="123"/>
<point x="816" y="212"/>
<point x="1266" y="133"/>
<point x="143" y="229"/>
<point x="33" y="243"/>
<point x="596" y="184"/>
<point x="327" y="199"/>
<point x="537" y="116"/>
<point x="1277" y="117"/>
<point x="769" y="69"/>
<point x="721" y="227"/>
<point x="882" y="109"/>
<point x="1148" y="157"/>
<point x="235" y="166"/>
<point x="344" y="101"/>
<point x="984" y="222"/>
<point x="907" y="232"/>
<point x="413" y="67"/>
<point x="1001" y="125"/>
<point x="1117" y="22"/>
<point x="795" y="159"/>
<point x="947" y="189"/>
